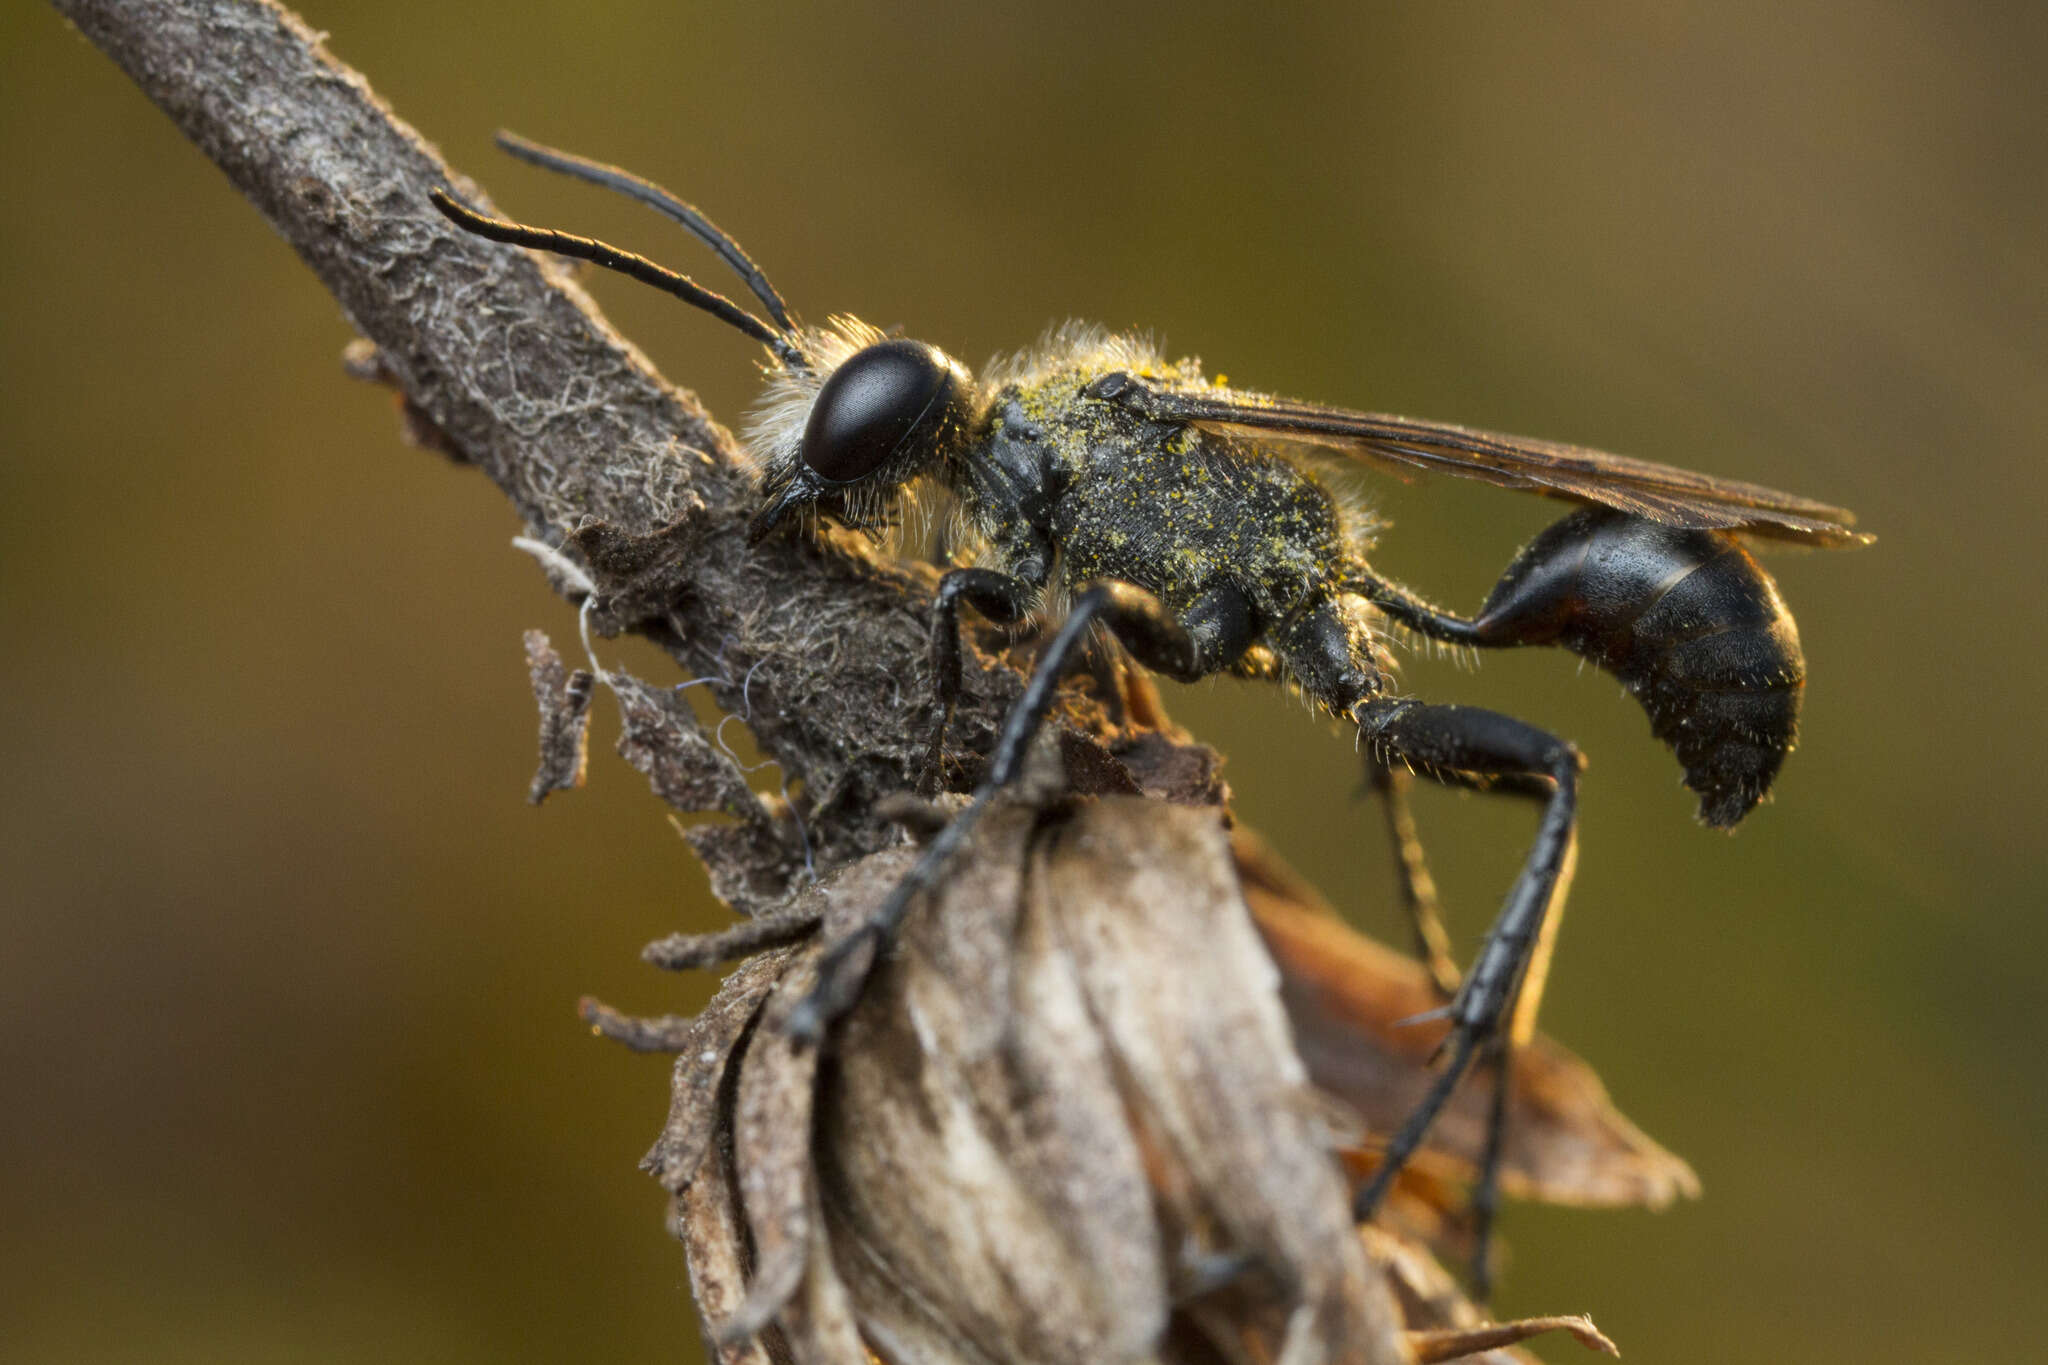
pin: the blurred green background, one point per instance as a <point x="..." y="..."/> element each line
<point x="286" y="1031"/>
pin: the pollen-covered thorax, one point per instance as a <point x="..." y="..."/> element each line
<point x="1165" y="505"/>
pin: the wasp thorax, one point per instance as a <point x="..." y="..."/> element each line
<point x="893" y="398"/>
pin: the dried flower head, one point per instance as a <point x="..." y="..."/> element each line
<point x="1068" y="1121"/>
<point x="1105" y="1099"/>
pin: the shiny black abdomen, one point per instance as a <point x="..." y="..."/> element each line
<point x="1691" y="625"/>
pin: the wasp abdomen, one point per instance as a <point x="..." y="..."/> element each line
<point x="1691" y="625"/>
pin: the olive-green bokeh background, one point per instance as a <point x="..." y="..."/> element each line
<point x="286" y="1036"/>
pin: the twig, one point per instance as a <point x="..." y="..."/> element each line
<point x="511" y="367"/>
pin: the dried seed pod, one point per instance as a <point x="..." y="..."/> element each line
<point x="1067" y="1121"/>
<point x="1067" y="1099"/>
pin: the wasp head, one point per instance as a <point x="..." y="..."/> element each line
<point x="849" y="417"/>
<point x="846" y="433"/>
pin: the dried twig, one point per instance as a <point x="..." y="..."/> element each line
<point x="503" y="362"/>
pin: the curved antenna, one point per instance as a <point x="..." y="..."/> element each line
<point x="626" y="263"/>
<point x="661" y="201"/>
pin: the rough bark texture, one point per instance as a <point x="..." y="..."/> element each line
<point x="505" y="363"/>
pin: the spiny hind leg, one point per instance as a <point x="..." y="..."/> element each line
<point x="1495" y="1004"/>
<point x="1432" y="946"/>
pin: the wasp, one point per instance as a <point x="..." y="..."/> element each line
<point x="1193" y="522"/>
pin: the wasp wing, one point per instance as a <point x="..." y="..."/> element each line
<point x="1661" y="493"/>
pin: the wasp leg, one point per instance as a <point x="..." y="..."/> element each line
<point x="997" y="596"/>
<point x="1432" y="946"/>
<point x="1203" y="640"/>
<point x="1525" y="614"/>
<point x="1464" y="744"/>
<point x="1218" y="622"/>
<point x="1418" y="888"/>
<point x="1486" y="1194"/>
<point x="1419" y="897"/>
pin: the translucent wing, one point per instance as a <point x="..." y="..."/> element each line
<point x="1662" y="493"/>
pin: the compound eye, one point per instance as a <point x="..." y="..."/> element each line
<point x="871" y="403"/>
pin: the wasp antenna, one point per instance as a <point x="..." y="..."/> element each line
<point x="663" y="202"/>
<point x="625" y="263"/>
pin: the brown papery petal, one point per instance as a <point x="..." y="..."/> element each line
<point x="1347" y="995"/>
<point x="1067" y="1120"/>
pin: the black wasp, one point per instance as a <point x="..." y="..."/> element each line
<point x="1180" y="515"/>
